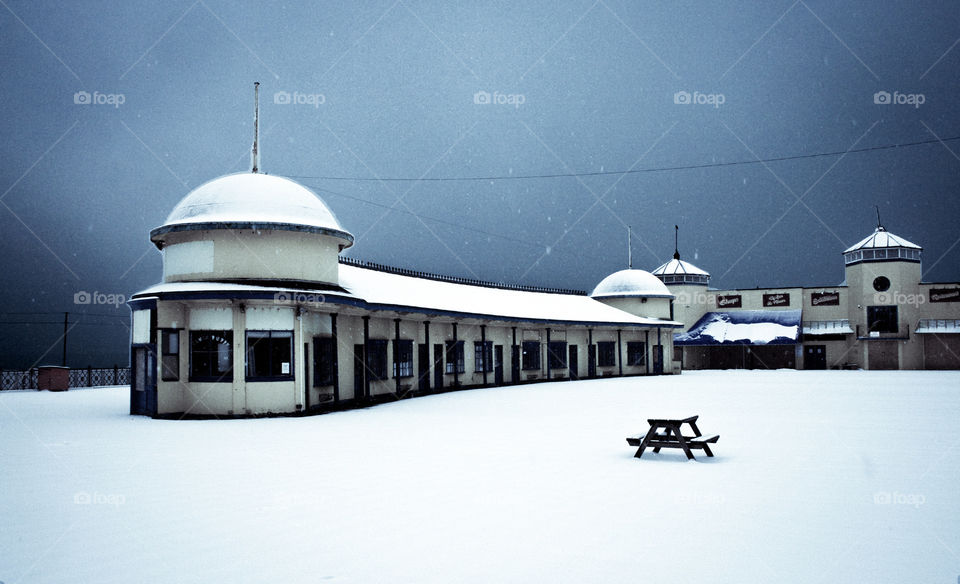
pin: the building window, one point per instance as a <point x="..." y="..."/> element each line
<point x="557" y="354"/>
<point x="269" y="355"/>
<point x="324" y="361"/>
<point x="377" y="359"/>
<point x="211" y="356"/>
<point x="531" y="355"/>
<point x="482" y="356"/>
<point x="636" y="353"/>
<point x="455" y="362"/>
<point x="403" y="358"/>
<point x="170" y="355"/>
<point x="882" y="319"/>
<point x="606" y="354"/>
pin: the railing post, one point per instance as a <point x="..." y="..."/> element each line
<point x="89" y="376"/>
<point x="115" y="373"/>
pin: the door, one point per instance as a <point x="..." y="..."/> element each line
<point x="358" y="372"/>
<point x="658" y="360"/>
<point x="423" y="360"/>
<point x="815" y="357"/>
<point x="574" y="366"/>
<point x="143" y="382"/>
<point x="515" y="363"/>
<point x="498" y="364"/>
<point x="592" y="361"/>
<point x="438" y="366"/>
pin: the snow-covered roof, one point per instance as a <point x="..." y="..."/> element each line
<point x="252" y="200"/>
<point x="678" y="266"/>
<point x="743" y="327"/>
<point x="881" y="238"/>
<point x="375" y="289"/>
<point x="630" y="283"/>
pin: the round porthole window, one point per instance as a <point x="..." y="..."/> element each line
<point x="881" y="283"/>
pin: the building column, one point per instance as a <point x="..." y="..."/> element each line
<point x="646" y="349"/>
<point x="426" y="341"/>
<point x="619" y="352"/>
<point x="483" y="351"/>
<point x="548" y="354"/>
<point x="336" y="357"/>
<point x="396" y="355"/>
<point x="366" y="357"/>
<point x="456" y="374"/>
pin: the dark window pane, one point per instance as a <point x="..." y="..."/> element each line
<point x="211" y="355"/>
<point x="531" y="354"/>
<point x="636" y="354"/>
<point x="557" y="354"/>
<point x="324" y="361"/>
<point x="606" y="354"/>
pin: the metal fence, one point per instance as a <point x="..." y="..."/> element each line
<point x="86" y="377"/>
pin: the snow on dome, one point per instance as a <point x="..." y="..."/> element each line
<point x="677" y="266"/>
<point x="631" y="283"/>
<point x="252" y="200"/>
<point x="882" y="238"/>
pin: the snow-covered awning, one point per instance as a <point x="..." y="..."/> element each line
<point x="743" y="327"/>
<point x="827" y="327"/>
<point x="938" y="326"/>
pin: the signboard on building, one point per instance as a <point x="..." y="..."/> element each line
<point x="825" y="299"/>
<point x="945" y="295"/>
<point x="776" y="299"/>
<point x="732" y="301"/>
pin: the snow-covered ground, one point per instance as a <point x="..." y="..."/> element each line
<point x="845" y="476"/>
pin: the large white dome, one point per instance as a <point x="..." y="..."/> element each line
<point x="252" y="201"/>
<point x="631" y="283"/>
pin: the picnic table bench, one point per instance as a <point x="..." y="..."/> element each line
<point x="664" y="433"/>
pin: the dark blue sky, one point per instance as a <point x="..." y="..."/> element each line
<point x="82" y="184"/>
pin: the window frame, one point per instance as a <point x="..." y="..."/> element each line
<point x="632" y="353"/>
<point x="324" y="361"/>
<point x="453" y="357"/>
<point x="402" y="358"/>
<point x="376" y="359"/>
<point x="169" y="353"/>
<point x="249" y="371"/>
<point x="555" y="359"/>
<point x="606" y="353"/>
<point x="530" y="358"/>
<point x="209" y="377"/>
<point x="891" y="326"/>
<point x="483" y="356"/>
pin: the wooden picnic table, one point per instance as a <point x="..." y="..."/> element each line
<point x="664" y="433"/>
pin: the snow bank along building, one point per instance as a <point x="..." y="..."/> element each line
<point x="257" y="314"/>
<point x="881" y="317"/>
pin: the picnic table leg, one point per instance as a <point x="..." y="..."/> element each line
<point x="643" y="444"/>
<point x="706" y="448"/>
<point x="682" y="441"/>
<point x="696" y="431"/>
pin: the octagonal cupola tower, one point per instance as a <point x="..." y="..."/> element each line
<point x="678" y="272"/>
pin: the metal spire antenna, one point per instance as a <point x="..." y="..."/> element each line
<point x="630" y="247"/>
<point x="676" y="242"/>
<point x="256" y="126"/>
<point x="879" y="224"/>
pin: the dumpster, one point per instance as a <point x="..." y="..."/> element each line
<point x="53" y="378"/>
